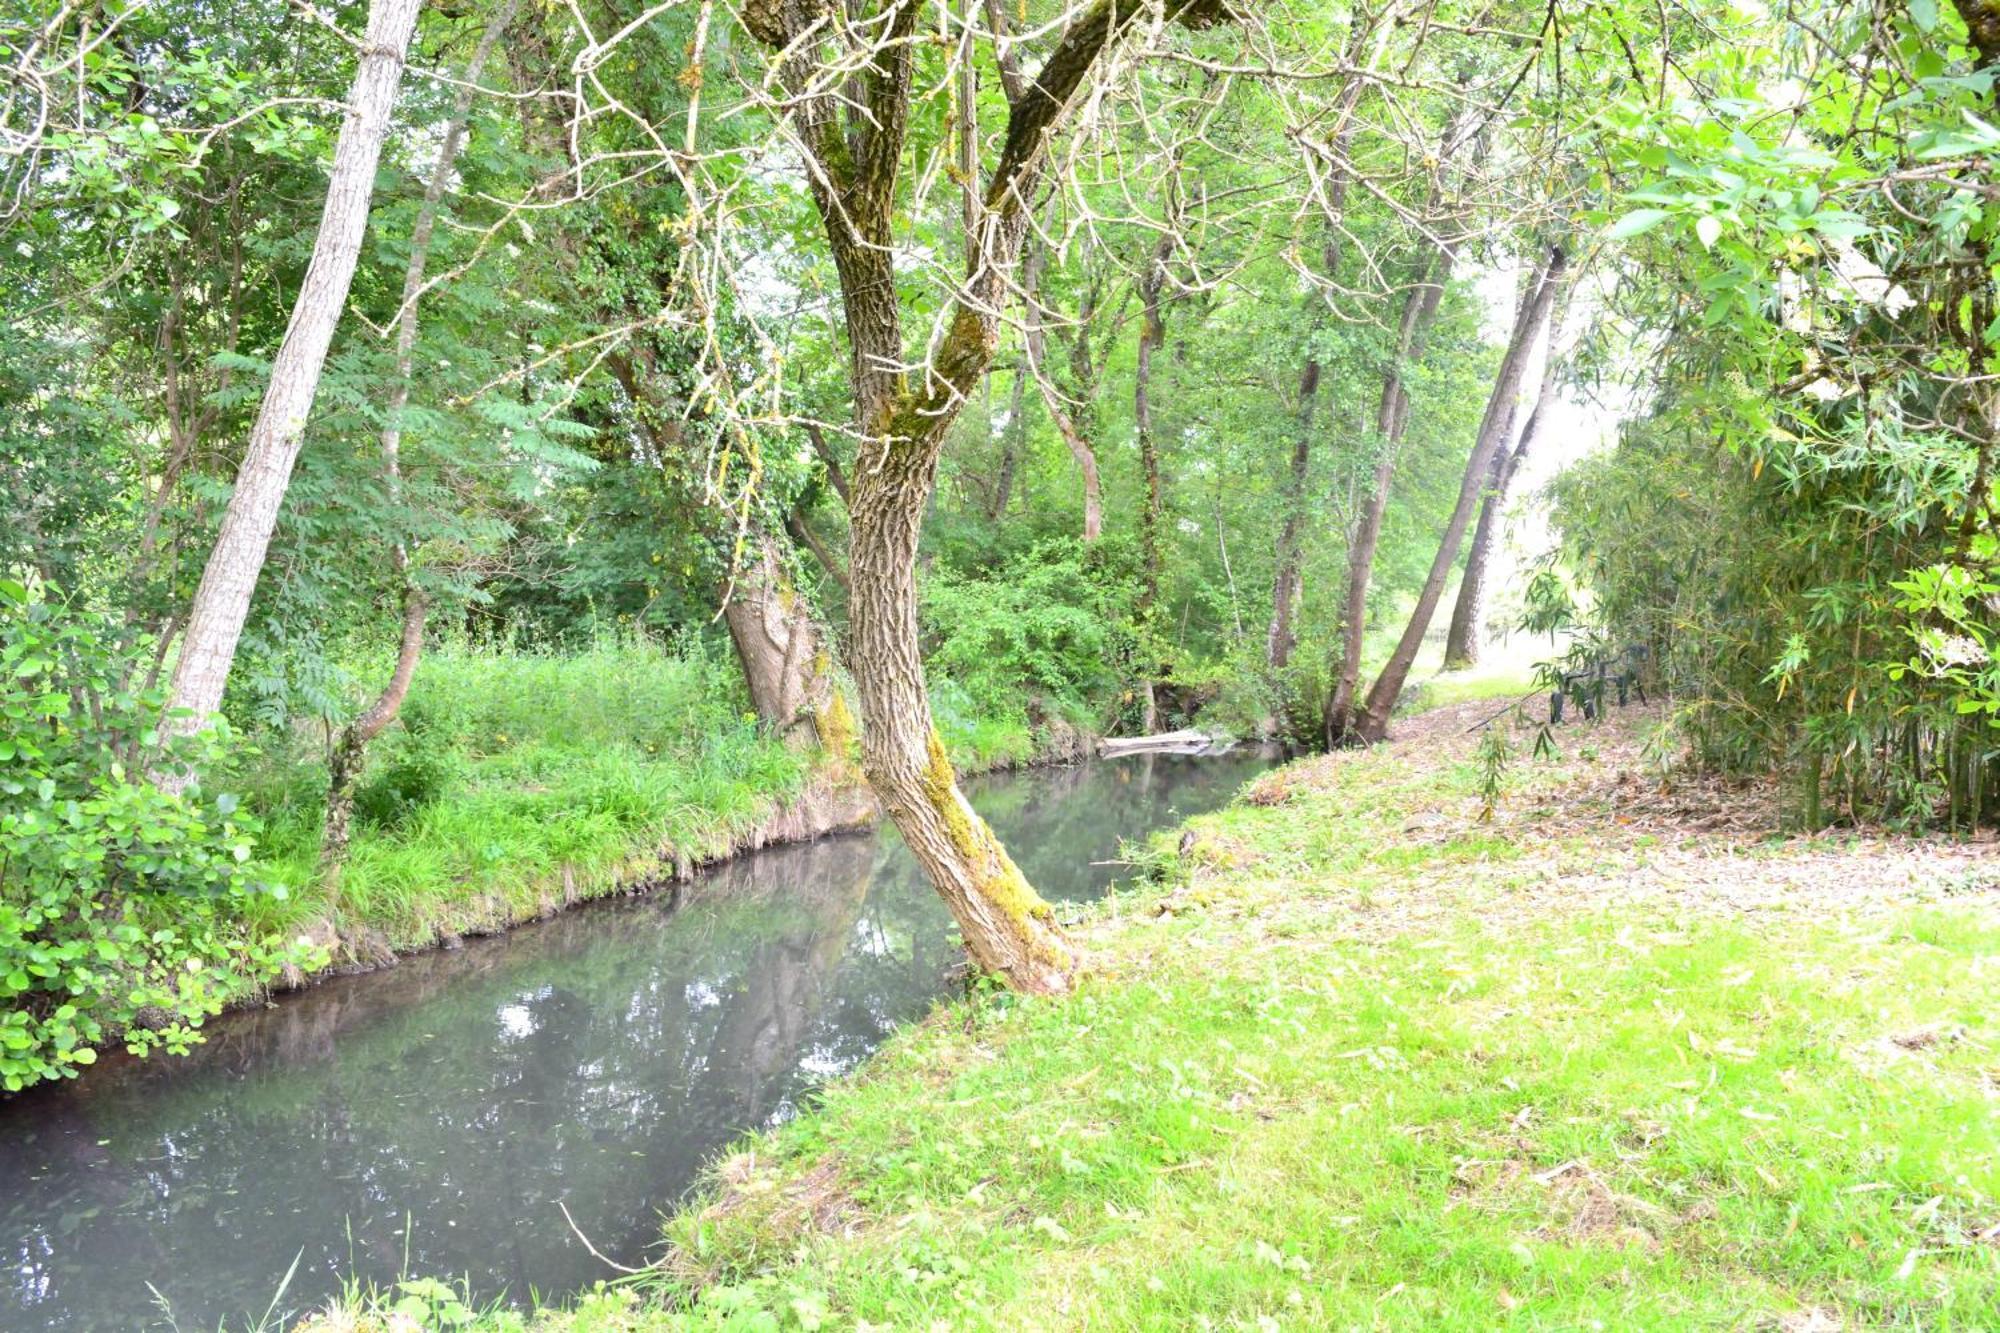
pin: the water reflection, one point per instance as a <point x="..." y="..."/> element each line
<point x="429" y="1119"/>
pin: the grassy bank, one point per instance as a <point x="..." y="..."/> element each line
<point x="520" y="781"/>
<point x="1614" y="1059"/>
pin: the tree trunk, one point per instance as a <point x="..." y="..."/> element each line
<point x="1279" y="639"/>
<point x="1532" y="318"/>
<point x="1152" y="335"/>
<point x="1011" y="441"/>
<point x="1069" y="424"/>
<point x="779" y="645"/>
<point x="1462" y="643"/>
<point x="1461" y="640"/>
<point x="1982" y="26"/>
<point x="351" y="752"/>
<point x="1392" y="415"/>
<point x="800" y="527"/>
<point x="1007" y="927"/>
<point x="222" y="601"/>
<point x="853" y="176"/>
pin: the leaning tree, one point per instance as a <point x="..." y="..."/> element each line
<point x="915" y="154"/>
<point x="846" y="79"/>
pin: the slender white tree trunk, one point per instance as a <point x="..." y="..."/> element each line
<point x="1533" y="317"/>
<point x="222" y="602"/>
<point x="1468" y="616"/>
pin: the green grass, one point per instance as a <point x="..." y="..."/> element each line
<point x="519" y="781"/>
<point x="1329" y="1076"/>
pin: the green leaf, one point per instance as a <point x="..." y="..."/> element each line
<point x="1708" y="229"/>
<point x="1638" y="221"/>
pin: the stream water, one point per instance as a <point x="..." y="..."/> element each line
<point x="428" y="1120"/>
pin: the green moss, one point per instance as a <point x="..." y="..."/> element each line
<point x="834" y="723"/>
<point x="1003" y="885"/>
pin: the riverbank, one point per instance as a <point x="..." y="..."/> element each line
<point x="1360" y="1058"/>
<point x="521" y="784"/>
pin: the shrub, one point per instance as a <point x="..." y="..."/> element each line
<point x="121" y="905"/>
<point x="1048" y="624"/>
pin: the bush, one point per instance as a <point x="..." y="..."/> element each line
<point x="1050" y="624"/>
<point x="121" y="906"/>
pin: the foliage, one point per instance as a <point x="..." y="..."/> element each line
<point x="1800" y="523"/>
<point x="120" y="904"/>
<point x="1049" y="624"/>
<point x="1493" y="758"/>
<point x="519" y="773"/>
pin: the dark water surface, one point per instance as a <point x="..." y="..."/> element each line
<point x="427" y="1120"/>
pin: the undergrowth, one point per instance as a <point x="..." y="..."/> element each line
<point x="519" y="780"/>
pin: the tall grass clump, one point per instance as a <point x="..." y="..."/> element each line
<point x="523" y="778"/>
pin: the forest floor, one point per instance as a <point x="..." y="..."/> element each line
<point x="1618" y="1057"/>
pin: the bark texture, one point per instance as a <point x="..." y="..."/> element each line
<point x="1982" y="25"/>
<point x="1529" y="322"/>
<point x="779" y="644"/>
<point x="222" y="601"/>
<point x="350" y="753"/>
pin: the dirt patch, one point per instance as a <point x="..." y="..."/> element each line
<point x="1596" y="828"/>
<point x="1577" y="1205"/>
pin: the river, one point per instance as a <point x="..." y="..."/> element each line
<point x="428" y="1120"/>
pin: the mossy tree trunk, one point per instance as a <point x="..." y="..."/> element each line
<point x="855" y="142"/>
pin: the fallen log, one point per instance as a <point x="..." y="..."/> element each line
<point x="1165" y="742"/>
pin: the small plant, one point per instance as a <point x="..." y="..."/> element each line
<point x="431" y="1304"/>
<point x="1495" y="758"/>
<point x="415" y="776"/>
<point x="121" y="905"/>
